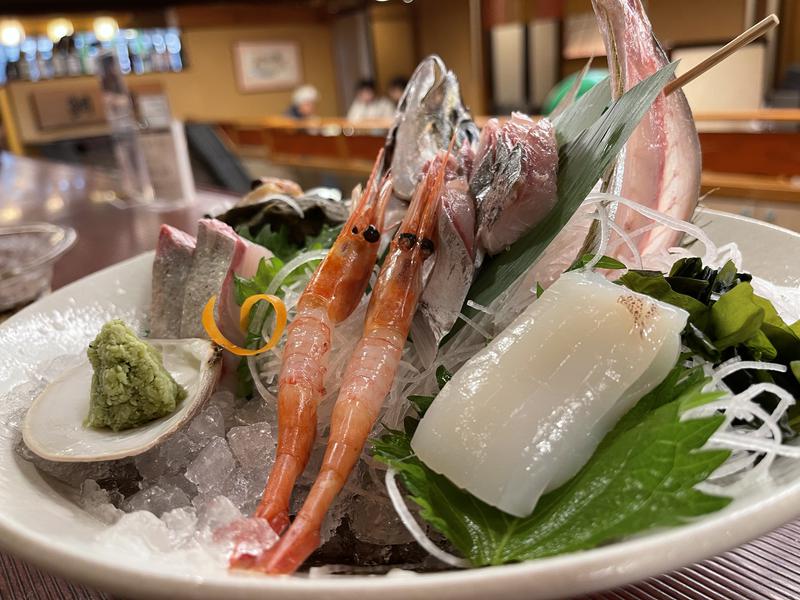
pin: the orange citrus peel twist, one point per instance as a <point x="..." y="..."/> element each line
<point x="216" y="335"/>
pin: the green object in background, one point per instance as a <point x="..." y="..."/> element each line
<point x="593" y="76"/>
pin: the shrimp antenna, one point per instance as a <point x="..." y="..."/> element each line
<point x="434" y="192"/>
<point x="444" y="161"/>
<point x="374" y="174"/>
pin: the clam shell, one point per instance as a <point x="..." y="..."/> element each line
<point x="54" y="425"/>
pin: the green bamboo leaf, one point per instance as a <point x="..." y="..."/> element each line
<point x="572" y="95"/>
<point x="582" y="162"/>
<point x="579" y="115"/>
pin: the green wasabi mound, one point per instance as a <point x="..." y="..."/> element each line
<point x="130" y="385"/>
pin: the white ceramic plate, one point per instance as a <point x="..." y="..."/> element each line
<point x="40" y="524"/>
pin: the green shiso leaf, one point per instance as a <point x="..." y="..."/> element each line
<point x="243" y="287"/>
<point x="642" y="476"/>
<point x="735" y="318"/>
<point x="588" y="143"/>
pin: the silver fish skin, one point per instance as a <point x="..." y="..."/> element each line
<point x="662" y="160"/>
<point x="218" y="252"/>
<point x="514" y="179"/>
<point x="456" y="260"/>
<point x="428" y="114"/>
<point x="171" y="266"/>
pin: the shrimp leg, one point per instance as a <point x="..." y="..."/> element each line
<point x="334" y="291"/>
<point x="369" y="373"/>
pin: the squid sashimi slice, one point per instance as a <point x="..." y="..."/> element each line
<point x="526" y="413"/>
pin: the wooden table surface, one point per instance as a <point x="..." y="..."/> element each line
<point x="32" y="190"/>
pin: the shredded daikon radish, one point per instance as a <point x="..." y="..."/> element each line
<point x="633" y="235"/>
<point x="600" y="250"/>
<point x="744" y="441"/>
<point x="738" y="461"/>
<point x="258" y="382"/>
<point x="729" y="367"/>
<point x="291" y="266"/>
<point x="758" y="446"/>
<point x="479" y="307"/>
<point x="711" y="253"/>
<point x="413" y="527"/>
<point x="637" y="257"/>
<point x="475" y="326"/>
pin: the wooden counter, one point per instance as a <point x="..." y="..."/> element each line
<point x="748" y="159"/>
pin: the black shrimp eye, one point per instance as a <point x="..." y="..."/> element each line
<point x="407" y="240"/>
<point x="355" y="230"/>
<point x="371" y="234"/>
<point x="255" y="184"/>
<point x="427" y="247"/>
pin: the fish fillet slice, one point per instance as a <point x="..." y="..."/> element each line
<point x="514" y="181"/>
<point x="171" y="267"/>
<point x="662" y="160"/>
<point x="218" y="252"/>
<point x="524" y="414"/>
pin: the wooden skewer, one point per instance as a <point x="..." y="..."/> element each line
<point x="745" y="38"/>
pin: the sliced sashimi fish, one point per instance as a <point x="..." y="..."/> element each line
<point x="526" y="413"/>
<point x="514" y="179"/>
<point x="218" y="252"/>
<point x="662" y="158"/>
<point x="171" y="267"/>
<point x="560" y="253"/>
<point x="453" y="271"/>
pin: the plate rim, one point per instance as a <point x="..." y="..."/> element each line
<point x="590" y="570"/>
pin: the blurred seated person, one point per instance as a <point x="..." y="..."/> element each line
<point x="304" y="103"/>
<point x="396" y="88"/>
<point x="368" y="105"/>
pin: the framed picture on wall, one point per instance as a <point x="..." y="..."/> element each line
<point x="264" y="66"/>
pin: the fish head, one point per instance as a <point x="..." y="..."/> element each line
<point x="429" y="113"/>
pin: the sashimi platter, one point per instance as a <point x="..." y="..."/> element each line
<point x="516" y="359"/>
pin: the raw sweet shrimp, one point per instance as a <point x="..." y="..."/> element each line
<point x="370" y="371"/>
<point x="333" y="292"/>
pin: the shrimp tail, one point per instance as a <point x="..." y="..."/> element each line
<point x="296" y="545"/>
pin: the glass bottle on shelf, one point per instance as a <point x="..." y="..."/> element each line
<point x="60" y="58"/>
<point x="160" y="58"/>
<point x="44" y="57"/>
<point x="135" y="183"/>
<point x="73" y="59"/>
<point x="173" y="42"/>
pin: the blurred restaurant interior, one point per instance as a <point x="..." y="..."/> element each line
<point x="306" y="89"/>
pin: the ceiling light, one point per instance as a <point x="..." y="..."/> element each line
<point x="11" y="32"/>
<point x="59" y="28"/>
<point x="105" y="28"/>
